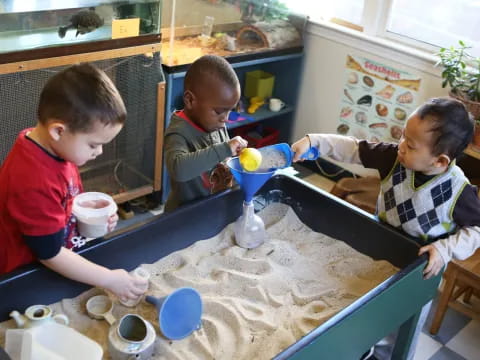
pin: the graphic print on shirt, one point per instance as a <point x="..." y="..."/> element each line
<point x="72" y="239"/>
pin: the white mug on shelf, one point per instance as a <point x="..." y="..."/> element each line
<point x="276" y="104"/>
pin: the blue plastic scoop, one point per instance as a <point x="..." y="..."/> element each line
<point x="279" y="156"/>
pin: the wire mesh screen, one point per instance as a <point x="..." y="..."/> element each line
<point x="128" y="161"/>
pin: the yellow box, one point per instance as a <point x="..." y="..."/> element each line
<point x="259" y="83"/>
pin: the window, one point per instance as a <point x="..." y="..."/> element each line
<point x="349" y="11"/>
<point x="427" y="24"/>
<point x="437" y="22"/>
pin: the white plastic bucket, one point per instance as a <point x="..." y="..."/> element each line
<point x="92" y="210"/>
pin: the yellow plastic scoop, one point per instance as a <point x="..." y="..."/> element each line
<point x="250" y="159"/>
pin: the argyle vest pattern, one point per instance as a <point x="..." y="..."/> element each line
<point x="426" y="211"/>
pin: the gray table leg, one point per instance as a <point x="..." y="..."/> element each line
<point x="409" y="333"/>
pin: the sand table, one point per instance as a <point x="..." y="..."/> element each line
<point x="256" y="302"/>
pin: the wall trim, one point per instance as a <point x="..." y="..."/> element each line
<point x="414" y="58"/>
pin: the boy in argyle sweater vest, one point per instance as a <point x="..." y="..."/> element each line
<point x="422" y="191"/>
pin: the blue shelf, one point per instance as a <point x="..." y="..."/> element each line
<point x="261" y="114"/>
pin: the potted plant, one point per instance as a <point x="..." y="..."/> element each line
<point x="461" y="72"/>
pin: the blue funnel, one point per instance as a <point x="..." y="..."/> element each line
<point x="179" y="313"/>
<point x="250" y="182"/>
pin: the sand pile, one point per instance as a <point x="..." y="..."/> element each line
<point x="256" y="302"/>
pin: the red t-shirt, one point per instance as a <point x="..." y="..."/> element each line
<point x="36" y="194"/>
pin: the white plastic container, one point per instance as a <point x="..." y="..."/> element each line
<point x="141" y="273"/>
<point x="57" y="341"/>
<point x="92" y="210"/>
<point x="51" y="341"/>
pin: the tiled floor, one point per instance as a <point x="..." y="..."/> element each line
<point x="459" y="336"/>
<point x="457" y="339"/>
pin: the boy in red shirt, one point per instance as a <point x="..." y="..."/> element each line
<point x="79" y="110"/>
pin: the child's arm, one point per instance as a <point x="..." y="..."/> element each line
<point x="76" y="267"/>
<point x="184" y="165"/>
<point x="463" y="243"/>
<point x="338" y="147"/>
<point x="460" y="246"/>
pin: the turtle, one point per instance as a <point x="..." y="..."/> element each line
<point x="84" y="21"/>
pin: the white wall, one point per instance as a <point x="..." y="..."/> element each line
<point x="324" y="70"/>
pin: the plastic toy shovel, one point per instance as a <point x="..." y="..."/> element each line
<point x="279" y="156"/>
<point x="179" y="314"/>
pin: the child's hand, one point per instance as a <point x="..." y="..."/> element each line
<point x="125" y="286"/>
<point x="237" y="144"/>
<point x="300" y="147"/>
<point x="112" y="222"/>
<point x="435" y="261"/>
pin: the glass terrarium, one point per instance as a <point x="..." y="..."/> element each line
<point x="27" y="25"/>
<point x="192" y="28"/>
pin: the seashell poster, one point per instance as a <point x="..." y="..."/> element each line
<point x="376" y="100"/>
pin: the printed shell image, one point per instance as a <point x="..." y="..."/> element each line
<point x="396" y="132"/>
<point x="365" y="100"/>
<point x="346" y="111"/>
<point x="405" y="98"/>
<point x="349" y="97"/>
<point x="352" y="78"/>
<point x="380" y="125"/>
<point x="84" y="21"/>
<point x="343" y="129"/>
<point x="386" y="92"/>
<point x="400" y="114"/>
<point x="360" y="134"/>
<point x="367" y="80"/>
<point x="381" y="109"/>
<point x="361" y="117"/>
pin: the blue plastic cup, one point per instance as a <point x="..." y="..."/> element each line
<point x="180" y="313"/>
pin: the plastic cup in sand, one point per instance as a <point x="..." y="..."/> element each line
<point x="141" y="273"/>
<point x="180" y="313"/>
<point x="100" y="308"/>
<point x="92" y="210"/>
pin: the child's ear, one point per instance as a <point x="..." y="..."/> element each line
<point x="442" y="161"/>
<point x="188" y="99"/>
<point x="56" y="130"/>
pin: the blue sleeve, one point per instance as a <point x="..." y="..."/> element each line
<point x="45" y="246"/>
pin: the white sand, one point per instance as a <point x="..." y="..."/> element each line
<point x="272" y="158"/>
<point x="256" y="302"/>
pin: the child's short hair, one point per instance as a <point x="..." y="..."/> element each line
<point x="210" y="66"/>
<point x="80" y="96"/>
<point x="452" y="125"/>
